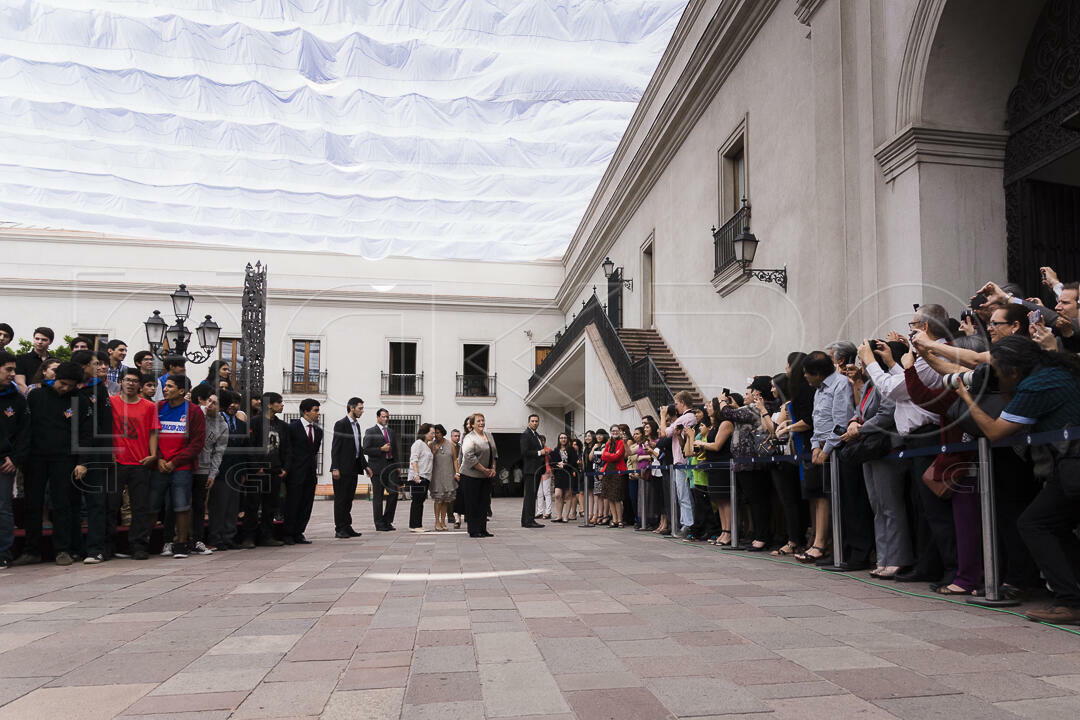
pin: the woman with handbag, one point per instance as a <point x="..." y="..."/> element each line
<point x="785" y="475"/>
<point x="753" y="482"/>
<point x="717" y="452"/>
<point x="870" y="436"/>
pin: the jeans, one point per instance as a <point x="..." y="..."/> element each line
<point x="682" y="493"/>
<point x="177" y="485"/>
<point x="224" y="506"/>
<point x="7" y="519"/>
<point x="99" y="484"/>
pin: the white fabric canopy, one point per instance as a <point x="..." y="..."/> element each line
<point x="427" y="128"/>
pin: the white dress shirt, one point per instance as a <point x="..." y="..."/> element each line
<point x="908" y="415"/>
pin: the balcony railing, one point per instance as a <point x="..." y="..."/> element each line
<point x="724" y="238"/>
<point x="402" y="383"/>
<point x="304" y="381"/>
<point x="482" y="386"/>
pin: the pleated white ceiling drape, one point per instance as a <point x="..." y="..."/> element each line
<point x="427" y="128"/>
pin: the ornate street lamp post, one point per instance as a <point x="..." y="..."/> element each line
<point x="177" y="336"/>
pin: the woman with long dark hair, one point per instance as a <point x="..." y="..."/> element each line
<point x="577" y="482"/>
<point x="715" y="445"/>
<point x="219" y="372"/>
<point x="595" y="465"/>
<point x="613" y="484"/>
<point x="563" y="461"/>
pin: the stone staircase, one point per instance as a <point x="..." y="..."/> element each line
<point x="640" y="342"/>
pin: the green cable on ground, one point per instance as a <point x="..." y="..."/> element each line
<point x="892" y="588"/>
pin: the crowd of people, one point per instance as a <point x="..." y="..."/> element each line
<point x="1007" y="367"/>
<point x="104" y="440"/>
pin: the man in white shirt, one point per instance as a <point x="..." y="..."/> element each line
<point x="935" y="531"/>
<point x="347" y="462"/>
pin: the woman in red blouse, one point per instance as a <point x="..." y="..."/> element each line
<point x="613" y="485"/>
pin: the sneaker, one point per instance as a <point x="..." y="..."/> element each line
<point x="94" y="559"/>
<point x="140" y="554"/>
<point x="62" y="558"/>
<point x="26" y="559"/>
<point x="201" y="549"/>
<point x="4" y="563"/>
<point x="179" y="550"/>
<point x="167" y="550"/>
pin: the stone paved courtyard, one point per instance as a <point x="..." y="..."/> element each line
<point x="557" y="623"/>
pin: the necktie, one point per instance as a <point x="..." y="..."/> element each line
<point x="356" y="436"/>
<point x="386" y="435"/>
<point x="310" y="436"/>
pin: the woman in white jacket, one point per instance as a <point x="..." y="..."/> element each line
<point x="421" y="460"/>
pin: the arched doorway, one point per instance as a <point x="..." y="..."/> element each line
<point x="1042" y="157"/>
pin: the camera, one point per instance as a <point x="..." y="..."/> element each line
<point x="980" y="379"/>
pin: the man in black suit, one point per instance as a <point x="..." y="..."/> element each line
<point x="532" y="467"/>
<point x="346" y="463"/>
<point x="306" y="441"/>
<point x="382" y="462"/>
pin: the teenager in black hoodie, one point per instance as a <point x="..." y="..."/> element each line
<point x="99" y="448"/>
<point x="60" y="426"/>
<point x="14" y="449"/>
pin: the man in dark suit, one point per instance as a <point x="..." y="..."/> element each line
<point x="306" y="441"/>
<point x="346" y="463"/>
<point x="532" y="467"/>
<point x="382" y="462"/>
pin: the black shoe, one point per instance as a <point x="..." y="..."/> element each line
<point x="912" y="576"/>
<point x="26" y="559"/>
<point x="140" y="553"/>
<point x="287" y="541"/>
<point x="533" y="525"/>
<point x="269" y="543"/>
<point x="486" y="534"/>
<point x="382" y="529"/>
<point x="475" y="535"/>
<point x="353" y="533"/>
<point x="390" y="528"/>
<point x="825" y="561"/>
<point x="854" y="566"/>
<point x="301" y="540"/>
<point x="247" y="544"/>
<point x="342" y="535"/>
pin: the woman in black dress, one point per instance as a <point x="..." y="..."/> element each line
<point x="563" y="461"/>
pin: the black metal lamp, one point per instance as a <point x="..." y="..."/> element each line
<point x="609" y="269"/>
<point x="155" y="331"/>
<point x="176" y="337"/>
<point x="208" y="333"/>
<point x="182" y="301"/>
<point x="745" y="245"/>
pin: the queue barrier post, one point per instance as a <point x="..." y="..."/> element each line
<point x="673" y="511"/>
<point x="733" y="493"/>
<point x="587" y="487"/>
<point x="834" y="504"/>
<point x="989" y="532"/>
<point x="641" y="522"/>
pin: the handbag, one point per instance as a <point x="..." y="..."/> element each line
<point x="946" y="472"/>
<point x="866" y="446"/>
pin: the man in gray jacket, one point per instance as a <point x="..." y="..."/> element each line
<point x="217" y="438"/>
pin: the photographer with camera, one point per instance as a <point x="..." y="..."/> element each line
<point x="1045" y="390"/>
<point x="919" y="427"/>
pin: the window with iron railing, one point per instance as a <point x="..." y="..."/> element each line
<point x="304" y="382"/>
<point x="402" y="383"/>
<point x="476" y="385"/>
<point x="724" y="239"/>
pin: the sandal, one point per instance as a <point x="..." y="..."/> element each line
<point x="806" y="558"/>
<point x="788" y="549"/>
<point x="720" y="538"/>
<point x="953" y="590"/>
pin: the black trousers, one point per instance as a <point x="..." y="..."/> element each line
<point x="529" y="485"/>
<point x="706" y="522"/>
<point x="1014" y="489"/>
<point x="344" y="492"/>
<point x="459" y="504"/>
<point x="477" y="496"/>
<point x="1047" y="528"/>
<point x="261" y="491"/>
<point x="104" y="497"/>
<point x="223" y="507"/>
<point x="755" y="487"/>
<point x="383" y="478"/>
<point x="57" y="473"/>
<point x="785" y="480"/>
<point x="299" y="499"/>
<point x="418" y="493"/>
<point x="856" y="515"/>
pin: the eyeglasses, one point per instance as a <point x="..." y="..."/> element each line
<point x="913" y="325"/>
<point x="997" y="323"/>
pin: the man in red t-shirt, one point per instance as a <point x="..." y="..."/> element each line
<point x="135" y="424"/>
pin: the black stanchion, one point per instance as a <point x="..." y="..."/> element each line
<point x="673" y="512"/>
<point x="641" y="522"/>
<point x="587" y="486"/>
<point x="834" y="503"/>
<point x="733" y="493"/>
<point x="989" y="532"/>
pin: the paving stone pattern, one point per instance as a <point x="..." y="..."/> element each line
<point x="556" y="623"/>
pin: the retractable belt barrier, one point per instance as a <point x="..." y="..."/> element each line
<point x="986" y="491"/>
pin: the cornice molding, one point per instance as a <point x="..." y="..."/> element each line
<point x="942" y="146"/>
<point x="805" y="9"/>
<point x="104" y="289"/>
<point x="719" y="49"/>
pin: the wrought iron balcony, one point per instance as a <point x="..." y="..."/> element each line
<point x="312" y="382"/>
<point x="476" y="385"/>
<point x="402" y="383"/>
<point x="724" y="239"/>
